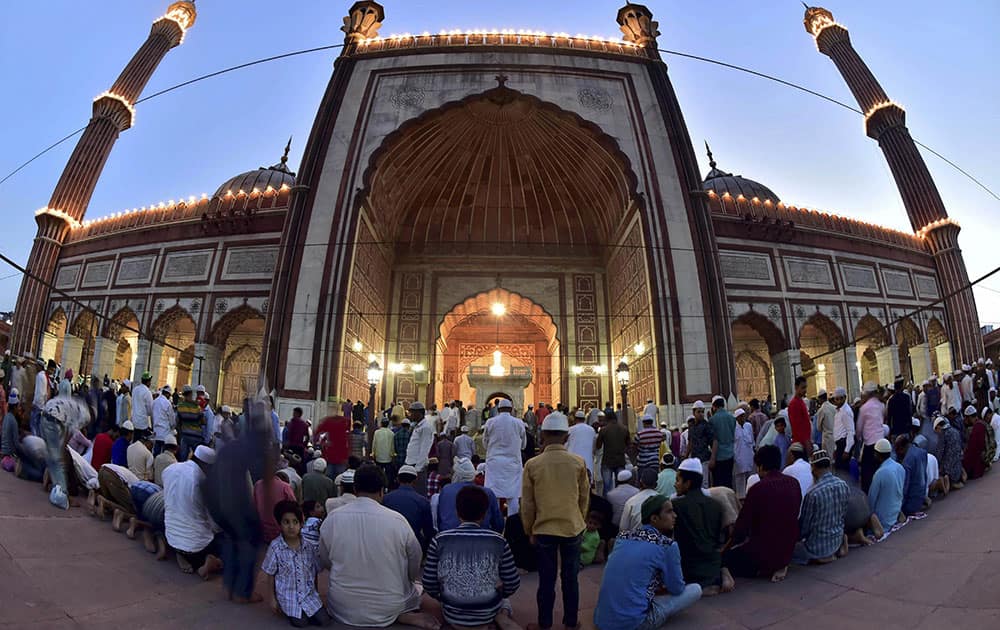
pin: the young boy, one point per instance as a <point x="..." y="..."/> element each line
<point x="592" y="548"/>
<point x="288" y="558"/>
<point x="782" y="441"/>
<point x="315" y="512"/>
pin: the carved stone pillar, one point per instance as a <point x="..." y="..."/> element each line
<point x="104" y="357"/>
<point x="72" y="353"/>
<point x="920" y="362"/>
<point x="888" y="363"/>
<point x="786" y="368"/>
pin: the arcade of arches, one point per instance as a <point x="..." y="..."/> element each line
<point x="227" y="363"/>
<point x="767" y="365"/>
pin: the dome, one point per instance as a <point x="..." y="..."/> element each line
<point x="722" y="182"/>
<point x="274" y="176"/>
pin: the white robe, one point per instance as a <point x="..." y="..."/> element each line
<point x="504" y="438"/>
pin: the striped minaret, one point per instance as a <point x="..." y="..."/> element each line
<point x="114" y="112"/>
<point x="885" y="122"/>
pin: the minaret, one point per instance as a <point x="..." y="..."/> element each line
<point x="885" y="121"/>
<point x="114" y="112"/>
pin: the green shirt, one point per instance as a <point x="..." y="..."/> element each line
<point x="724" y="425"/>
<point x="665" y="482"/>
<point x="697" y="532"/>
<point x="588" y="546"/>
<point x="382" y="445"/>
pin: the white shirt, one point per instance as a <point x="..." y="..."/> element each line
<point x="802" y="471"/>
<point x="743" y="448"/>
<point x="966" y="388"/>
<point x="209" y="423"/>
<point x="684" y="443"/>
<point x="843" y="426"/>
<point x="581" y="440"/>
<point x="932" y="469"/>
<point x="164" y="418"/>
<point x="374" y="560"/>
<point x="123" y="408"/>
<point x="632" y="511"/>
<point x="465" y="446"/>
<point x="651" y="410"/>
<point x="504" y="438"/>
<point x="142" y="407"/>
<point x="186" y="521"/>
<point x="420" y="444"/>
<point x="452" y="419"/>
<point x="618" y="497"/>
<point x="41" y="389"/>
<point x="995" y="423"/>
<point x="140" y="461"/>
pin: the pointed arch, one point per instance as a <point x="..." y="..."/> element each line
<point x="169" y="320"/>
<point x="874" y="334"/>
<point x="125" y="317"/>
<point x="230" y="322"/>
<point x="240" y="372"/>
<point x="764" y="327"/>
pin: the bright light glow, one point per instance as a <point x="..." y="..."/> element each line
<point x="59" y="214"/>
<point x="371" y="357"/>
<point x="374" y="373"/>
<point x="396" y="368"/>
<point x="498" y="309"/>
<point x="933" y="225"/>
<point x="356" y="346"/>
<point x="497" y="368"/>
<point x="821" y="367"/>
<point x="120" y="99"/>
<point x="639" y="348"/>
<point x="622" y="373"/>
<point x="577" y="369"/>
<point x="418" y="367"/>
<point x="600" y="369"/>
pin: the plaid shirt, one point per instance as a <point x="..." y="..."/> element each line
<point x="433" y="484"/>
<point x="402" y="440"/>
<point x="294" y="574"/>
<point x="821" y="521"/>
<point x="358" y="440"/>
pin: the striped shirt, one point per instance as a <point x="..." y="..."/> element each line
<point x="649" y="446"/>
<point x="821" y="521"/>
<point x="462" y="570"/>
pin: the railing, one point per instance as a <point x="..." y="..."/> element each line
<point x="511" y="372"/>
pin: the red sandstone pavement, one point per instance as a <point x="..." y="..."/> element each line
<point x="69" y="570"/>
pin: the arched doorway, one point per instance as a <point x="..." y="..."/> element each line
<point x="241" y="371"/>
<point x="908" y="340"/>
<point x="871" y="337"/>
<point x="177" y="328"/>
<point x="55" y="335"/>
<point x="937" y="339"/>
<point x="123" y="328"/>
<point x="239" y="336"/>
<point x="497" y="321"/>
<point x="817" y="337"/>
<point x="755" y="340"/>
<point x="85" y="328"/>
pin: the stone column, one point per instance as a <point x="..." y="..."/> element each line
<point x="72" y="353"/>
<point x="943" y="353"/>
<point x="49" y="343"/>
<point x="888" y="363"/>
<point x="147" y="353"/>
<point x="839" y="369"/>
<point x="786" y="367"/>
<point x="920" y="361"/>
<point x="104" y="357"/>
<point x="209" y="365"/>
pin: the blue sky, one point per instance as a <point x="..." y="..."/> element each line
<point x="57" y="55"/>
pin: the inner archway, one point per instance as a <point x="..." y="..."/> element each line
<point x="122" y="328"/>
<point x="755" y="340"/>
<point x="818" y="336"/>
<point x="175" y="329"/>
<point x="870" y="337"/>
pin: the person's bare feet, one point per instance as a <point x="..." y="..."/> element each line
<point x="728" y="583"/>
<point x="945" y="485"/>
<point x="420" y="620"/>
<point x="117" y="520"/>
<point x="148" y="541"/>
<point x="254" y="598"/>
<point x="710" y="591"/>
<point x="184" y="565"/>
<point x="779" y="575"/>
<point x="161" y="547"/>
<point x="504" y="621"/>
<point x="843" y="548"/>
<point x="133" y="526"/>
<point x="212" y="565"/>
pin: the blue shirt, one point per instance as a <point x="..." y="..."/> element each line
<point x="118" y="452"/>
<point x="415" y="508"/>
<point x="447" y="514"/>
<point x="643" y="561"/>
<point x="886" y="492"/>
<point x="915" y="464"/>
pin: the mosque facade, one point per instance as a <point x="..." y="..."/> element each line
<point x="491" y="213"/>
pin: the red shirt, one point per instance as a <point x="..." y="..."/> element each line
<point x="280" y="491"/>
<point x="540" y="414"/>
<point x="102" y="451"/>
<point x="336" y="444"/>
<point x="298" y="432"/>
<point x="798" y="417"/>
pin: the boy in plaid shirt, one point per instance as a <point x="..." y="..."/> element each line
<point x="292" y="566"/>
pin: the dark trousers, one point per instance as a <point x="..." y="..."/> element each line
<point x="389" y="470"/>
<point x="739" y="562"/>
<point x="868" y="466"/>
<point x="722" y="475"/>
<point x="157" y="447"/>
<point x="838" y="459"/>
<point x="321" y="618"/>
<point x="552" y="549"/>
<point x="186" y="445"/>
<point x="238" y="559"/>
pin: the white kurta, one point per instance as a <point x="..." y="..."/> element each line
<point x="504" y="438"/>
<point x="582" y="438"/>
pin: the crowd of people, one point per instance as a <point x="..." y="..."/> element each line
<point x="412" y="505"/>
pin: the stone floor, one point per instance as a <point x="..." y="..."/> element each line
<point x="69" y="570"/>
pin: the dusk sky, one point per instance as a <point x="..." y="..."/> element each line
<point x="936" y="59"/>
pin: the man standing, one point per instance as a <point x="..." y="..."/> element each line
<point x="190" y="420"/>
<point x="554" y="499"/>
<point x="164" y="420"/>
<point x="826" y="422"/>
<point x="465" y="446"/>
<point x="870" y="427"/>
<point x="331" y="437"/>
<point x="724" y="427"/>
<point x="142" y="406"/>
<point x="297" y="433"/>
<point x="383" y="451"/>
<point x="886" y="492"/>
<point x="504" y="438"/>
<point x="123" y="404"/>
<point x="798" y="416"/>
<point x="614" y="439"/>
<point x="648" y="441"/>
<point x="651" y="410"/>
<point x="743" y="454"/>
<point x="582" y="438"/>
<point x="701" y="437"/>
<point x="900" y="410"/>
<point x="43" y="392"/>
<point x="419" y="446"/>
<point x="843" y="430"/>
<point x="645" y="562"/>
<point x="821" y="521"/>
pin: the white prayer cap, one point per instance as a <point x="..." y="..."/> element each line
<point x="600" y="414"/>
<point x="200" y="389"/>
<point x="966" y="367"/>
<point x="821" y="392"/>
<point x="932" y="377"/>
<point x="691" y="464"/>
<point x="891" y="387"/>
<point x="857" y="399"/>
<point x="419" y="406"/>
<point x="982" y="414"/>
<point x="319" y="464"/>
<point x="738" y="413"/>
<point x="993" y="389"/>
<point x="579" y="414"/>
<point x="170" y="440"/>
<point x="840" y="392"/>
<point x="128" y="426"/>
<point x="481" y="468"/>
<point x="916" y="422"/>
<point x="226" y="409"/>
<point x="689" y="419"/>
<point x="465" y="429"/>
<point x="989" y="361"/>
<point x="505" y="404"/>
<point x="406" y="469"/>
<point x="698" y="405"/>
<point x="718" y="399"/>
<point x="625" y="475"/>
<point x="940" y="421"/>
<point x="883" y="446"/>
<point x="870" y="388"/>
<point x="980" y="361"/>
<point x="925" y="383"/>
<point x="205" y="454"/>
<point x="970" y="410"/>
<point x="126" y="382"/>
<point x="347" y="477"/>
<point x="555" y="421"/>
